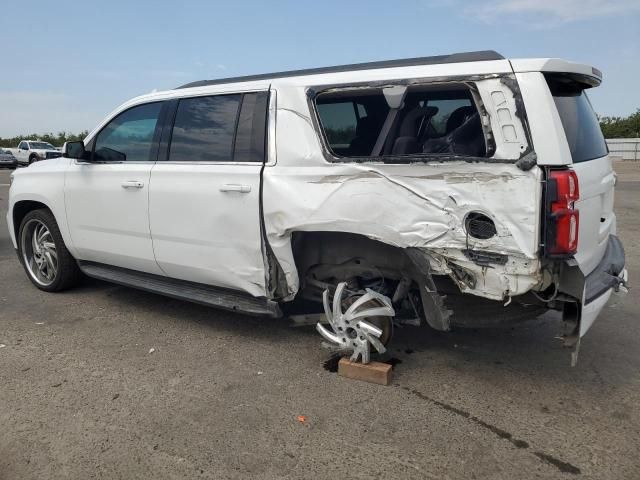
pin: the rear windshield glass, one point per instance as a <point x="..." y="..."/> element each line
<point x="440" y="120"/>
<point x="580" y="123"/>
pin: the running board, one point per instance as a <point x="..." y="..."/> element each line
<point x="183" y="290"/>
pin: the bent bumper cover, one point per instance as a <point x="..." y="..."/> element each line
<point x="608" y="274"/>
<point x="607" y="277"/>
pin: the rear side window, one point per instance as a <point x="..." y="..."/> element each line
<point x="579" y="121"/>
<point x="220" y="128"/>
<point x="434" y="120"/>
<point x="129" y="137"/>
<point x="204" y="129"/>
<point x="340" y="120"/>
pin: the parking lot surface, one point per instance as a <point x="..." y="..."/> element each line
<point x="109" y="382"/>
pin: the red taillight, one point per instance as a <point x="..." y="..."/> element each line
<point x="564" y="218"/>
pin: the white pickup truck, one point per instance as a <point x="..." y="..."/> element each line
<point x="30" y="151"/>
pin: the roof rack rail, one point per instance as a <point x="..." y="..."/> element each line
<point x="483" y="55"/>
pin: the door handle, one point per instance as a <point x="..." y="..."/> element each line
<point x="132" y="184"/>
<point x="230" y="187"/>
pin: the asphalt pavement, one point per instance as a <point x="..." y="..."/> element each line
<point x="108" y="382"/>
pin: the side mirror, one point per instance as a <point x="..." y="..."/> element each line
<point x="74" y="150"/>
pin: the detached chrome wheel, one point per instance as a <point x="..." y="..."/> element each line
<point x="39" y="252"/>
<point x="356" y="330"/>
<point x="43" y="254"/>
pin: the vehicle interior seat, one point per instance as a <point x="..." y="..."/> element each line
<point x="458" y="117"/>
<point x="466" y="139"/>
<point x="366" y="134"/>
<point x="407" y="140"/>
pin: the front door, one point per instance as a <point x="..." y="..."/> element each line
<point x="107" y="197"/>
<point x="204" y="202"/>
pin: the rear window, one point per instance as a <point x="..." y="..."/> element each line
<point x="579" y="121"/>
<point x="434" y="120"/>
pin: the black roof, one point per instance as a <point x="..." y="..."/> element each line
<point x="479" y="56"/>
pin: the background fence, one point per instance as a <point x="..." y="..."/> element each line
<point x="625" y="148"/>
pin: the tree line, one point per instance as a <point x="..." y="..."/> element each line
<point x="621" y="127"/>
<point x="56" y="140"/>
<point x="612" y="127"/>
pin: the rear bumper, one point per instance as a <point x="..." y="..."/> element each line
<point x="608" y="276"/>
<point x="608" y="273"/>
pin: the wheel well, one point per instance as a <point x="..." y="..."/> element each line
<point x="325" y="258"/>
<point x="332" y="257"/>
<point x="20" y="210"/>
<point x="315" y="247"/>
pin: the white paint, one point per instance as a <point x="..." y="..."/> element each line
<point x="421" y="206"/>
<point x="203" y="234"/>
<point x="181" y="224"/>
<point x="547" y="132"/>
<point x="521" y="65"/>
<point x="108" y="223"/>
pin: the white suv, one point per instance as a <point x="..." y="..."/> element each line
<point x="462" y="190"/>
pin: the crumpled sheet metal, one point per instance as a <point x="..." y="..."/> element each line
<point x="410" y="205"/>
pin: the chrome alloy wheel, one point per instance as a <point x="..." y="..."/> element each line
<point x="39" y="252"/>
<point x="355" y="331"/>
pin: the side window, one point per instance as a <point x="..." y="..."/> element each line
<point x="433" y="120"/>
<point x="204" y="129"/>
<point x="129" y="137"/>
<point x="340" y="122"/>
<point x="22" y="146"/>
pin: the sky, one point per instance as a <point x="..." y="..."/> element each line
<point x="67" y="64"/>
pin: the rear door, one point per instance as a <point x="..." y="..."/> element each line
<point x="592" y="165"/>
<point x="204" y="201"/>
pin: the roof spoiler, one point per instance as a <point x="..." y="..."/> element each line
<point x="585" y="74"/>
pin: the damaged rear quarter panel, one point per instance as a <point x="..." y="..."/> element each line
<point x="419" y="205"/>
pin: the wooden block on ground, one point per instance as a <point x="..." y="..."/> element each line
<point x="373" y="372"/>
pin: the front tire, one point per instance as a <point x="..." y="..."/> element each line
<point x="32" y="159"/>
<point x="43" y="254"/>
